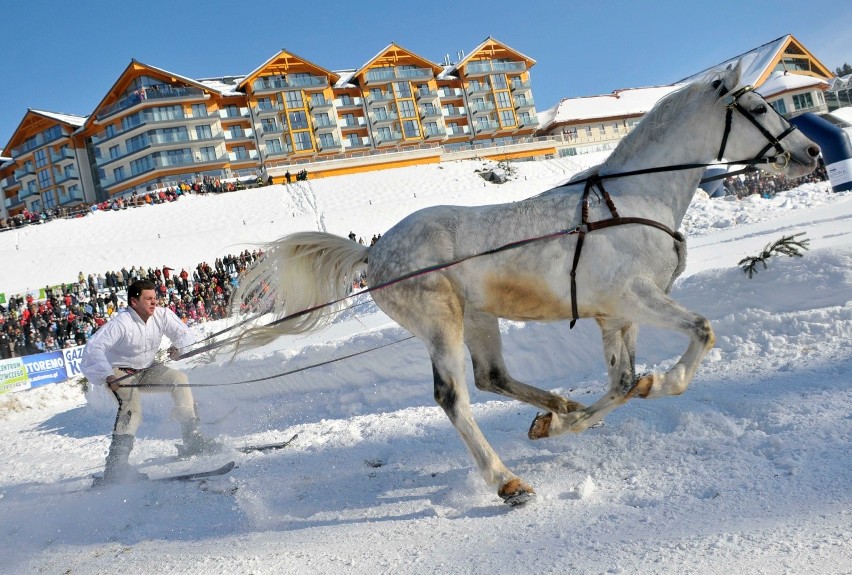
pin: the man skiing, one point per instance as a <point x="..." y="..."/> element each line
<point x="126" y="346"/>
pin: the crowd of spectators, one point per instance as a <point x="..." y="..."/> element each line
<point x="69" y="314"/>
<point x="166" y="194"/>
<point x="767" y="185"/>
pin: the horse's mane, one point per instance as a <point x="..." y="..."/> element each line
<point x="691" y="97"/>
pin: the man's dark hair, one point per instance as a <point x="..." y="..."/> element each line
<point x="136" y="288"/>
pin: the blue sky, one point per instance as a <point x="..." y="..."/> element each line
<point x="63" y="57"/>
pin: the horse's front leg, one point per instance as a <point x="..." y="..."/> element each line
<point x="619" y="343"/>
<point x="483" y="340"/>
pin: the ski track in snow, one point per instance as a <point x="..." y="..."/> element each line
<point x="748" y="472"/>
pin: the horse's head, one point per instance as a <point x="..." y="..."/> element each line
<point x="755" y="131"/>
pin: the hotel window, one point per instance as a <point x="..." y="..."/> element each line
<point x="588" y="131"/>
<point x="40" y="158"/>
<point x="384" y="134"/>
<point x="507" y="118"/>
<point x="601" y="130"/>
<point x="407" y="109"/>
<point x="322" y="119"/>
<point x="298" y="120"/>
<point x="349" y="120"/>
<point x="273" y="146"/>
<point x="802" y="101"/>
<point x="411" y="128"/>
<point x="268" y="125"/>
<point x="293" y="99"/>
<point x="504" y="100"/>
<point x="231" y="111"/>
<point x="498" y="81"/>
<point x="431" y="129"/>
<point x="302" y="141"/>
<point x="345" y="100"/>
<point x="44" y="179"/>
<point x="208" y="154"/>
<point x="240" y="153"/>
<point x="110" y="130"/>
<point x="402" y="89"/>
<point x="199" y="110"/>
<point x="235" y="132"/>
<point x="326" y="141"/>
<point x="354" y="140"/>
<point x="141" y="165"/>
<point x="779" y="106"/>
<point x="118" y="174"/>
<point x="380" y="113"/>
<point x="203" y="132"/>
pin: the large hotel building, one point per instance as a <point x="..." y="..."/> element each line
<point x="155" y="128"/>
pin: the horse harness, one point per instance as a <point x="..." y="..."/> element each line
<point x="596" y="181"/>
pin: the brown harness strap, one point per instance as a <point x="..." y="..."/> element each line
<point x="586" y="226"/>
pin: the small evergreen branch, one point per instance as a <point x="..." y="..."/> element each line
<point x="786" y="246"/>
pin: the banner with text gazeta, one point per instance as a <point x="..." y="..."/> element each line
<point x="33" y="371"/>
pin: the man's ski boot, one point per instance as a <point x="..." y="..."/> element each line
<point x="117" y="469"/>
<point x="194" y="443"/>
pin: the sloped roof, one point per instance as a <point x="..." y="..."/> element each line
<point x="780" y="82"/>
<point x="482" y="46"/>
<point x="283" y="53"/>
<point x="620" y="103"/>
<point x="70" y="119"/>
<point x="393" y="46"/>
<point x="757" y="64"/>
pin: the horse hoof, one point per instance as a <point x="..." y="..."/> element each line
<point x="540" y="426"/>
<point x="515" y="492"/>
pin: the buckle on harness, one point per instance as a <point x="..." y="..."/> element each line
<point x="581" y="229"/>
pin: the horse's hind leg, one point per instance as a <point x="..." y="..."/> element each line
<point x="482" y="336"/>
<point x="619" y="342"/>
<point x="434" y="313"/>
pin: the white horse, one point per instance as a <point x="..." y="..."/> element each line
<point x="426" y="274"/>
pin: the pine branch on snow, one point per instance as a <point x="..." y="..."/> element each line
<point x="787" y="246"/>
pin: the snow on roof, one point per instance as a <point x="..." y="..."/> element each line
<point x="72" y="119"/>
<point x="345" y="80"/>
<point x="754" y="62"/>
<point x="780" y="82"/>
<point x="226" y="85"/>
<point x="844" y="114"/>
<point x="620" y="103"/>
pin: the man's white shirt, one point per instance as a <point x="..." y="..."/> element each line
<point x="127" y="341"/>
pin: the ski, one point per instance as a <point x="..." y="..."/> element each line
<point x="267" y="446"/>
<point x="193" y="475"/>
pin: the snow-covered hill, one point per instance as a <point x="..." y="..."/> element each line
<point x="748" y="472"/>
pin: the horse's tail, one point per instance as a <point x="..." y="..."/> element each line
<point x="296" y="276"/>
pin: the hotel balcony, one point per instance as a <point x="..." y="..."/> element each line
<point x="324" y="125"/>
<point x="9" y="183"/>
<point x="378" y="119"/>
<point x="65" y="176"/>
<point x="424" y="95"/>
<point x="146" y="119"/>
<point x="24" y="172"/>
<point x="528" y="122"/>
<point x="374" y="98"/>
<point x="396" y="74"/>
<point x="486" y="67"/>
<point x="447" y="93"/>
<point x="524" y="103"/>
<point x="158" y="140"/>
<point x="481" y="107"/>
<point x="329" y="145"/>
<point x="458" y="131"/>
<point x="319" y="104"/>
<point x="478" y="88"/>
<point x="27" y="192"/>
<point x="70" y="198"/>
<point x="13" y="202"/>
<point x="63" y="154"/>
<point x="183" y="160"/>
<point x="149" y="93"/>
<point x="387" y="138"/>
<point x="434" y="134"/>
<point x="35" y="143"/>
<point x="241" y="113"/>
<point x="268" y="109"/>
<point x="359" y="122"/>
<point x="266" y="129"/>
<point x="455" y="112"/>
<point x="244" y="134"/>
<point x="247" y="156"/>
<point x="486" y="127"/>
<point x="277" y="152"/>
<point x="518" y="86"/>
<point x="354" y="103"/>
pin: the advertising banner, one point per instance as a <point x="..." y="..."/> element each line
<point x="31" y="371"/>
<point x="44" y="368"/>
<point x="13" y="375"/>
